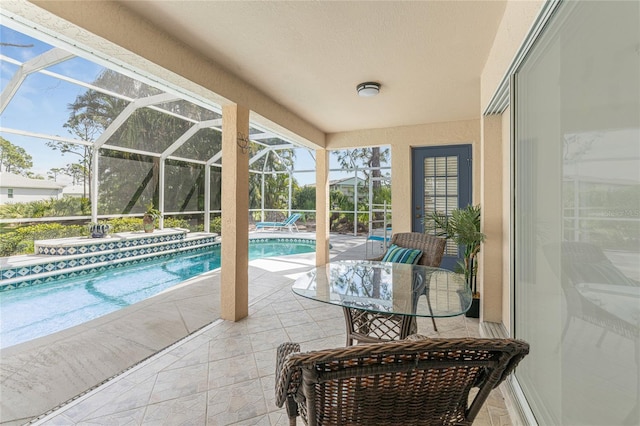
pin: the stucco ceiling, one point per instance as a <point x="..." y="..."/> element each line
<point x="309" y="56"/>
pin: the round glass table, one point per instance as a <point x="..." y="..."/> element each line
<point x="381" y="300"/>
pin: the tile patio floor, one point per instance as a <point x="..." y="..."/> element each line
<point x="223" y="373"/>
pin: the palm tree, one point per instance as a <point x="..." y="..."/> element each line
<point x="463" y="227"/>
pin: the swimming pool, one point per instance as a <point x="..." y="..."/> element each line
<point x="32" y="312"/>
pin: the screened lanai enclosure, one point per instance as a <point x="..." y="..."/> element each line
<point x="113" y="144"/>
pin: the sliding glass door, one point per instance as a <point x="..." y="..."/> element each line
<point x="577" y="216"/>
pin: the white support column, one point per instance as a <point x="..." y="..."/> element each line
<point x="94" y="184"/>
<point x="161" y="191"/>
<point x="262" y="188"/>
<point x="290" y="191"/>
<point x="371" y="209"/>
<point x="355" y="203"/>
<point x="207" y="198"/>
<point x="234" y="289"/>
<point x="322" y="207"/>
<point x="262" y="197"/>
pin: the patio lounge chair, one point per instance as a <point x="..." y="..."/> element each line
<point x="289" y="223"/>
<point x="374" y="239"/>
<point x="417" y="381"/>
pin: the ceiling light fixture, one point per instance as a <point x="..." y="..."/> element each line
<point x="370" y="88"/>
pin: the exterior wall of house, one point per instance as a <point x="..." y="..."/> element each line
<point x="402" y="140"/>
<point x="494" y="263"/>
<point x="516" y="22"/>
<point x="506" y="218"/>
<point x="492" y="186"/>
<point x="25" y="195"/>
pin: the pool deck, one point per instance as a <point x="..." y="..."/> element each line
<point x="126" y="367"/>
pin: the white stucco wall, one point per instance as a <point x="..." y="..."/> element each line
<point x="25" y="195"/>
<point x="517" y="20"/>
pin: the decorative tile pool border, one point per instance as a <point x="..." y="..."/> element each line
<point x="47" y="266"/>
<point x="94" y="245"/>
<point x="101" y="267"/>
<point x="80" y="266"/>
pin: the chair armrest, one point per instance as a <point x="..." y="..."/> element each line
<point x="288" y="378"/>
<point x="377" y="259"/>
<point x="521" y="351"/>
<point x="416" y="337"/>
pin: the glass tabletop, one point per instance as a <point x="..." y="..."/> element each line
<point x="388" y="288"/>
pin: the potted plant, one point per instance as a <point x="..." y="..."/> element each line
<point x="463" y="227"/>
<point x="98" y="230"/>
<point x="149" y="218"/>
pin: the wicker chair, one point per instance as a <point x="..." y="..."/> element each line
<point x="407" y="382"/>
<point x="432" y="247"/>
<point x="432" y="251"/>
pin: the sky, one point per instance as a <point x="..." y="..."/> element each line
<point x="40" y="105"/>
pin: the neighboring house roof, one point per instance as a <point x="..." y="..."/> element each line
<point x="346" y="181"/>
<point x="10" y="180"/>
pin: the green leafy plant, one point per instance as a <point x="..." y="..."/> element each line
<point x="66" y="206"/>
<point x="125" y="224"/>
<point x="20" y="239"/>
<point x="152" y="211"/>
<point x="463" y="227"/>
<point x="216" y="225"/>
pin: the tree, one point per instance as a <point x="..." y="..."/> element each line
<point x="130" y="181"/>
<point x="84" y="161"/>
<point x="364" y="157"/>
<point x="55" y="171"/>
<point x="276" y="191"/>
<point x="276" y="184"/>
<point x="304" y="198"/>
<point x="371" y="158"/>
<point x="77" y="173"/>
<point x="89" y="115"/>
<point x="33" y="175"/>
<point x="14" y="159"/>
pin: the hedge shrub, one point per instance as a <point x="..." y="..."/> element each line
<point x="20" y="241"/>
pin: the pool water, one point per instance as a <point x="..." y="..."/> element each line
<point x="31" y="312"/>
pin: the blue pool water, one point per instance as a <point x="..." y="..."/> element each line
<point x="31" y="312"/>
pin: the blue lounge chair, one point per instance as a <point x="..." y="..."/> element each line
<point x="382" y="240"/>
<point x="289" y="223"/>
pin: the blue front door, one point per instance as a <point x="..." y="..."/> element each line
<point x="442" y="183"/>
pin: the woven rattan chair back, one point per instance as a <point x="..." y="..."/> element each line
<point x="408" y="382"/>
<point x="432" y="247"/>
<point x="432" y="252"/>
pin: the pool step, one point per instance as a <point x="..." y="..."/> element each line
<point x="39" y="269"/>
<point x="121" y="240"/>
